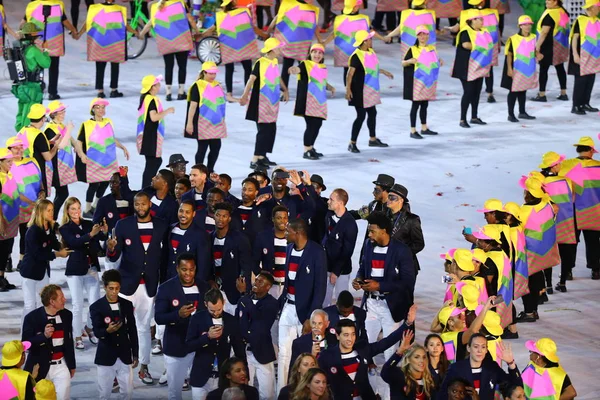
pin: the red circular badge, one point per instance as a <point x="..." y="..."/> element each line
<point x="107" y="320"/>
<point x="109" y="215"/>
<point x="265" y="251"/>
<point x="333" y="370"/>
<point x="128" y="242"/>
<point x="77" y="236"/>
<point x="44" y="244"/>
<point x="332" y="331"/>
<point x="175" y="302"/>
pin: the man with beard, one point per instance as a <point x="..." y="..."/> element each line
<point x="138" y="240"/>
<point x="406" y="226"/>
<point x="231" y="258"/>
<point x="112" y="207"/>
<point x="249" y="217"/>
<point x="304" y="290"/>
<point x="177" y="165"/>
<point x="214" y="196"/>
<point x="269" y="250"/>
<point x="339" y="242"/>
<point x="187" y="237"/>
<point x="300" y="205"/>
<point x="212" y="334"/>
<point x="344" y="308"/>
<point x="383" y="184"/>
<point x="257" y="313"/>
<point x="317" y="223"/>
<point x="224" y="184"/>
<point x="316" y="340"/>
<point x="177" y="300"/>
<point x="200" y="187"/>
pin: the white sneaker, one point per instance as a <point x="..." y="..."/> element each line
<point x="163" y="379"/>
<point x="157" y="349"/>
<point x="79" y="345"/>
<point x="145" y="376"/>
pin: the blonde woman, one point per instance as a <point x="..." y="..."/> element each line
<point x="302" y="364"/>
<point x="411" y="379"/>
<point x="82" y="236"/>
<point x="312" y="386"/>
<point x="41" y="247"/>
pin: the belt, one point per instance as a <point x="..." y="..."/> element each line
<point x="290" y="301"/>
<point x="278" y="283"/>
<point x="376" y="297"/>
<point x="57" y="362"/>
<point x="214" y="374"/>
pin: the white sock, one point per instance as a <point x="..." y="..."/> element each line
<point x="88" y="206"/>
<point x="95" y="202"/>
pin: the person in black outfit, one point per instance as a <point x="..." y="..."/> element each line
<point x="233" y="374"/>
<point x="75" y="10"/>
<point x="317" y="223"/>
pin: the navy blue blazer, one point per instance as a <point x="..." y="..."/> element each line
<point x="393" y="375"/>
<point x="191" y="195"/>
<point x="334" y="317"/>
<point x="38" y="253"/>
<point x="236" y="261"/>
<point x="339" y="243"/>
<point x="492" y="375"/>
<point x="284" y="393"/>
<point x="299" y="206"/>
<point x="330" y="360"/>
<point x="310" y="282"/>
<point x="258" y="221"/>
<point x="77" y="238"/>
<point x="302" y="344"/>
<point x="317" y="222"/>
<point x="263" y="251"/>
<point x="107" y="209"/>
<point x="234" y="201"/>
<point x="122" y="344"/>
<point x="398" y="284"/>
<point x="207" y="349"/>
<point x="256" y="321"/>
<point x="167" y="210"/>
<point x="195" y="241"/>
<point x="135" y="260"/>
<point x="41" y="348"/>
<point x="169" y="299"/>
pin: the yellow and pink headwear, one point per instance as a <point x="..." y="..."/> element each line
<point x="447" y="312"/>
<point x="318" y="47"/>
<point x="210" y="67"/>
<point x="587" y="141"/>
<point x="56" y="107"/>
<point x="491" y="205"/>
<point x="491" y="321"/>
<point x="525" y="20"/>
<point x="449" y="256"/>
<point x="534" y="184"/>
<point x="421" y="29"/>
<point x="544" y="347"/>
<point x="361" y="37"/>
<point x="37" y="111"/>
<point x="98" y="102"/>
<point x="474" y="13"/>
<point x="470" y="294"/>
<point x="489" y="232"/>
<point x="350" y="4"/>
<point x="513" y="209"/>
<point x="5" y="153"/>
<point x="550" y="159"/>
<point x="148" y="81"/>
<point x="591" y="3"/>
<point x="271" y="44"/>
<point x="14" y="142"/>
<point x="464" y="260"/>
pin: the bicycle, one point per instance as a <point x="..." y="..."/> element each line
<point x="136" y="46"/>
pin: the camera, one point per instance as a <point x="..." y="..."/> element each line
<point x="15" y="60"/>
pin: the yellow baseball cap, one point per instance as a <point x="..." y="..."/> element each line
<point x="449" y="256"/>
<point x="14" y="141"/>
<point x="422" y="29"/>
<point x="210" y="67"/>
<point x="586" y="141"/>
<point x="5" y="153"/>
<point x="318" y="46"/>
<point x="447" y="312"/>
<point x="545" y="347"/>
<point x="350" y="4"/>
<point x="98" y="102"/>
<point x="37" y="111"/>
<point x="224" y="3"/>
<point x="475" y="2"/>
<point x="474" y="13"/>
<point x="533" y="185"/>
<point x="513" y="209"/>
<point x="464" y="259"/>
<point x="525" y="20"/>
<point x="13" y="351"/>
<point x="55" y="107"/>
<point x="271" y="44"/>
<point x="361" y="37"/>
<point x="479" y="255"/>
<point x="470" y="294"/>
<point x="492" y="323"/>
<point x="489" y="232"/>
<point x="417" y="3"/>
<point x="491" y="205"/>
<point x="591" y="3"/>
<point x="150" y="80"/>
<point x="45" y="390"/>
<point x="550" y="159"/>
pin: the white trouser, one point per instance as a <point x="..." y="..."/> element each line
<point x="379" y="318"/>
<point x="333" y="291"/>
<point x="265" y="376"/>
<point x="143" y="310"/>
<point x="160" y="332"/>
<point x="31" y="294"/>
<point x="177" y="371"/>
<point x="290" y="328"/>
<point x="60" y="376"/>
<point x="276" y="291"/>
<point x="228" y="307"/>
<point x="200" y="393"/>
<point x="106" y="377"/>
<point x="77" y="286"/>
<point x="108" y="265"/>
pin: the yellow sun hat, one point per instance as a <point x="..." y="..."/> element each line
<point x="45" y="390"/>
<point x="37" y="111"/>
<point x="148" y="81"/>
<point x="525" y="20"/>
<point x="422" y="29"/>
<point x="489" y="232"/>
<point x="318" y="46"/>
<point x="98" y="102"/>
<point x="545" y="347"/>
<point x="491" y="205"/>
<point x="447" y="312"/>
<point x="513" y="209"/>
<point x="474" y="13"/>
<point x="591" y="3"/>
<point x="5" y="153"/>
<point x="12" y="352"/>
<point x="586" y="141"/>
<point x="56" y="107"/>
<point x="210" y="67"/>
<point x="271" y="44"/>
<point x="492" y="323"/>
<point x="361" y="37"/>
<point x="479" y="255"/>
<point x="13" y="141"/>
<point x="550" y="159"/>
<point x="470" y="294"/>
<point x="464" y="259"/>
<point x="417" y="3"/>
<point x="350" y="4"/>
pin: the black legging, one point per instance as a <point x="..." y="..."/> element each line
<point x="152" y="166"/>
<point x="62" y="194"/>
<point x="215" y="147"/>
<point x="512" y="99"/>
<point x="182" y="58"/>
<point x="22" y="232"/>
<point x="422" y="114"/>
<point x="53" y="75"/>
<point x="451" y="22"/>
<point x="265" y="138"/>
<point x="75" y="10"/>
<point x="489" y="82"/>
<point x="247" y="64"/>
<point x="536" y="284"/>
<point x="260" y="19"/>
<point x="560" y="72"/>
<point x="470" y="97"/>
<point x="96" y="189"/>
<point x="568" y="255"/>
<point x="285" y="75"/>
<point x="592" y="249"/>
<point x="345" y="73"/>
<point x="361" y="113"/>
<point x="501" y="24"/>
<point x="390" y="20"/>
<point x="582" y="90"/>
<point x="114" y="75"/>
<point x="6" y="246"/>
<point x="313" y="125"/>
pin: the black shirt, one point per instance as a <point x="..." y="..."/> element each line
<point x="358" y="81"/>
<point x="40" y="145"/>
<point x="149" y="139"/>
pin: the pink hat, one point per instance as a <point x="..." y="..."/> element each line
<point x="98" y="102"/>
<point x="448" y="256"/>
<point x="422" y="29"/>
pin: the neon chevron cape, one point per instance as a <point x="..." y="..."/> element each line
<point x="524" y="62"/>
<point x="316" y="96"/>
<point x="55" y="32"/>
<point x="445" y="8"/>
<point x="490" y="23"/>
<point x="28" y="176"/>
<point x="295" y="27"/>
<point x="589" y="39"/>
<point x="236" y="35"/>
<point x="585" y="175"/>
<point x="171" y="27"/>
<point x="64" y="159"/>
<point x="141" y="123"/>
<point x="543" y="383"/>
<point x="391" y="5"/>
<point x="2" y="19"/>
<point x="480" y="58"/>
<point x="505" y="285"/>
<point x="450" y="345"/>
<point x="211" y="110"/>
<point x="100" y="149"/>
<point x="540" y="236"/>
<point x="370" y="63"/>
<point x="28" y="135"/>
<point x="409" y="21"/>
<point x="560" y="34"/>
<point x="7" y="388"/>
<point x="503" y="6"/>
<point x="494" y="350"/>
<point x="268" y="97"/>
<point x="106" y="33"/>
<point x="560" y="190"/>
<point x="344" y="31"/>
<point x="11" y="203"/>
<point x="426" y="72"/>
<point x="519" y="260"/>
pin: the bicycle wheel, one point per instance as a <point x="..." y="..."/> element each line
<point x="135" y="46"/>
<point x="209" y="49"/>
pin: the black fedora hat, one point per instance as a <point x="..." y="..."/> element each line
<point x="384" y="180"/>
<point x="400" y="190"/>
<point x="176" y="159"/>
<point x="319" y="180"/>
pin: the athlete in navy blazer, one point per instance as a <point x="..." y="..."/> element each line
<point x="167" y="209"/>
<point x="335" y="315"/>
<point x="199" y="176"/>
<point x="85" y="248"/>
<point x="41" y="348"/>
<point x="122" y="344"/>
<point x="107" y="209"/>
<point x="311" y="280"/>
<point x="135" y="260"/>
<point x="256" y="321"/>
<point x="339" y="242"/>
<point x="398" y="283"/>
<point x="38" y="252"/>
<point x="207" y="349"/>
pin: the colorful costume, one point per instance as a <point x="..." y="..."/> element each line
<point x="344" y="31"/>
<point x="264" y="99"/>
<point x="588" y="47"/>
<point x="98" y="144"/>
<point x="391" y="5"/>
<point x="171" y="27"/>
<point x="61" y="170"/>
<point x="420" y="80"/>
<point x="445" y="8"/>
<point x="295" y="27"/>
<point x="2" y="32"/>
<point x="311" y="99"/>
<point x="543" y="383"/>
<point x="505" y="285"/>
<point x="370" y="86"/>
<point x="559" y="35"/>
<point x="51" y="26"/>
<point x="107" y="33"/>
<point x="28" y="135"/>
<point x="11" y="203"/>
<point x="585" y="177"/>
<point x="523" y="64"/>
<point x="150" y="143"/>
<point x="210" y="114"/>
<point x="28" y="176"/>
<point x="540" y="234"/>
<point x="409" y="21"/>
<point x="476" y="62"/>
<point x="236" y="36"/>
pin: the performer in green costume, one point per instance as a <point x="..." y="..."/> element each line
<point x="36" y="59"/>
<point x="535" y="9"/>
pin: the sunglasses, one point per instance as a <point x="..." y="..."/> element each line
<point x="393" y="197"/>
<point x="377" y="190"/>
